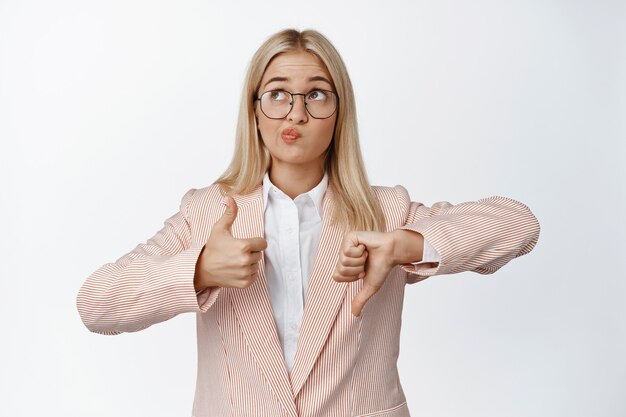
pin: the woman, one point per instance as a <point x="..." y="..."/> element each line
<point x="294" y="265"/>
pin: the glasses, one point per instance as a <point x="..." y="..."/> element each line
<point x="277" y="104"/>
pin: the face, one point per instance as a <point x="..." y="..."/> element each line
<point x="298" y="140"/>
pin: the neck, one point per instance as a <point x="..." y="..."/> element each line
<point x="294" y="180"/>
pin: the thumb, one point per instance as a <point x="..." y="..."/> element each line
<point x="359" y="300"/>
<point x="230" y="214"/>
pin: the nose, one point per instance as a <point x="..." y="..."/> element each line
<point x="298" y="113"/>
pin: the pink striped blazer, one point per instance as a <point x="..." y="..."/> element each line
<point x="344" y="365"/>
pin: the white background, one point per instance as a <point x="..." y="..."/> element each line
<point x="111" y="110"/>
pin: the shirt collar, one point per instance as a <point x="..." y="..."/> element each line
<point x="316" y="194"/>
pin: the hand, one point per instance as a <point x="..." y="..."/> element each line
<point x="367" y="256"/>
<point x="226" y="261"/>
<point x="371" y="256"/>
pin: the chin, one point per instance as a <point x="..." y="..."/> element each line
<point x="294" y="159"/>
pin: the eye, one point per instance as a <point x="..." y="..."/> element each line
<point x="277" y="95"/>
<point x="317" y="95"/>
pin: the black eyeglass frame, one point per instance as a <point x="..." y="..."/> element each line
<point x="258" y="98"/>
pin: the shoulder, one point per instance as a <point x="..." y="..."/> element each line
<point x="209" y="200"/>
<point x="211" y="194"/>
<point x="396" y="197"/>
<point x="395" y="204"/>
<point x="202" y="203"/>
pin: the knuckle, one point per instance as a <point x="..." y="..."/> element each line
<point x="351" y="271"/>
<point x="250" y="280"/>
<point x="245" y="282"/>
<point x="237" y="283"/>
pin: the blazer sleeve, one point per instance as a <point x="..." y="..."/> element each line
<point x="151" y="284"/>
<point x="480" y="236"/>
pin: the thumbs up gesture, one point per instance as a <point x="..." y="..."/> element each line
<point x="370" y="256"/>
<point x="226" y="261"/>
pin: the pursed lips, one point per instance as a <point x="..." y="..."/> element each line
<point x="290" y="134"/>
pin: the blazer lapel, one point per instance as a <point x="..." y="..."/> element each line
<point x="253" y="309"/>
<point x="323" y="299"/>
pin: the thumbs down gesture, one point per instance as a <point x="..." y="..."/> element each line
<point x="370" y="256"/>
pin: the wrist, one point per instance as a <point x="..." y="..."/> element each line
<point x="199" y="276"/>
<point x="408" y="246"/>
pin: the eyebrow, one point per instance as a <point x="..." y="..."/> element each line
<point x="315" y="78"/>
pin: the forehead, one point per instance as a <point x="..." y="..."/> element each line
<point x="295" y="66"/>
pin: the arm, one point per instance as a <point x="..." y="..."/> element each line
<point x="153" y="283"/>
<point x="477" y="236"/>
<point x="480" y="236"/>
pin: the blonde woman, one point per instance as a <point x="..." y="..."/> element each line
<point x="293" y="263"/>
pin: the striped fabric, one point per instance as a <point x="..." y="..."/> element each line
<point x="344" y="365"/>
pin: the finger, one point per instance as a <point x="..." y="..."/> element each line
<point x="346" y="261"/>
<point x="350" y="241"/>
<point x="245" y="273"/>
<point x="349" y="276"/>
<point x="251" y="269"/>
<point x="349" y="271"/>
<point x="253" y="257"/>
<point x="255" y="244"/>
<point x="354" y="251"/>
<point x="230" y="214"/>
<point x="246" y="281"/>
<point x="246" y="259"/>
<point x="362" y="297"/>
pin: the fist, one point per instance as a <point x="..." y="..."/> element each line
<point x="226" y="261"/>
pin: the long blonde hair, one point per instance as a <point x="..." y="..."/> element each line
<point x="356" y="205"/>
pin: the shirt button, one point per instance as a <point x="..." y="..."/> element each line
<point x="290" y="230"/>
<point x="293" y="327"/>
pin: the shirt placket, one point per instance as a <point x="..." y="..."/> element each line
<point x="292" y="273"/>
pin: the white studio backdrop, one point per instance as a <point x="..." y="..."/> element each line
<point x="111" y="110"/>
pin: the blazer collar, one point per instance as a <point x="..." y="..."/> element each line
<point x="323" y="299"/>
<point x="253" y="308"/>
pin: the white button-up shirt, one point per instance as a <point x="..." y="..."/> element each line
<point x="292" y="230"/>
